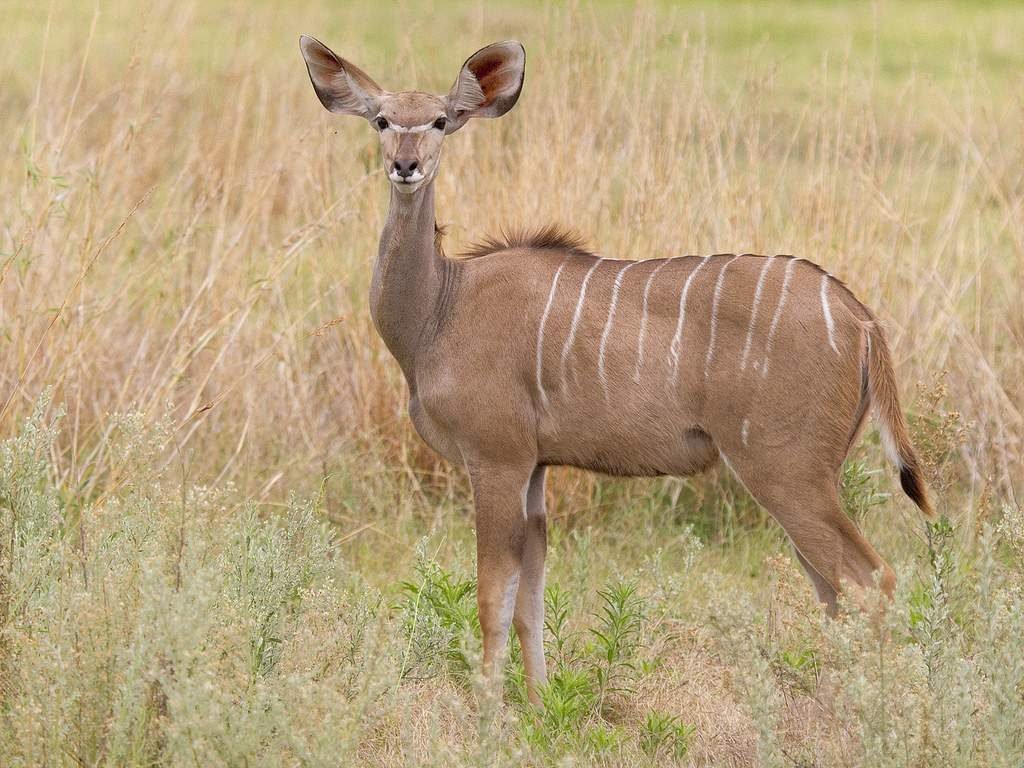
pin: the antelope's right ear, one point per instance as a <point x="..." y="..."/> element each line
<point x="342" y="87"/>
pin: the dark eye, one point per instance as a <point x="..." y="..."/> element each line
<point x="440" y="123"/>
<point x="381" y="122"/>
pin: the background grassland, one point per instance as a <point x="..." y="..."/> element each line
<point x="222" y="542"/>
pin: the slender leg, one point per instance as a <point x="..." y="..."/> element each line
<point x="826" y="594"/>
<point x="835" y="549"/>
<point x="499" y="493"/>
<point x="832" y="546"/>
<point x="529" y="612"/>
<point x="828" y="544"/>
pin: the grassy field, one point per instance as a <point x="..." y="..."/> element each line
<point x="221" y="542"/>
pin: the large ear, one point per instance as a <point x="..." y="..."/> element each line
<point x="488" y="84"/>
<point x="342" y="87"/>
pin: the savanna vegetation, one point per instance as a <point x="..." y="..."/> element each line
<point x="221" y="542"/>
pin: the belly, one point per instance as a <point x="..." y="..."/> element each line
<point x="627" y="443"/>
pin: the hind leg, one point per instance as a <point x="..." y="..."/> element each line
<point x="826" y="594"/>
<point x="828" y="544"/>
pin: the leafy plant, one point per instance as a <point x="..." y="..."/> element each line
<point x="617" y="639"/>
<point x="860" y="491"/>
<point x="663" y="735"/>
<point x="438" y="612"/>
<point x="586" y="675"/>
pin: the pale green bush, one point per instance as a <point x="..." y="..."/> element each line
<point x="165" y="623"/>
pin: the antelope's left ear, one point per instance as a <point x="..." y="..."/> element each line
<point x="488" y="84"/>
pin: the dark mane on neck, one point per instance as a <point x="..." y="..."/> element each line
<point x="551" y="237"/>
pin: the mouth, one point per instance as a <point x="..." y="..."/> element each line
<point x="406" y="183"/>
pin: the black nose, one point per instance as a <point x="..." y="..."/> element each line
<point x="405" y="168"/>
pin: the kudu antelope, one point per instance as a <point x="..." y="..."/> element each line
<point x="530" y="351"/>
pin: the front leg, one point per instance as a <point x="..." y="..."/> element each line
<point x="529" y="612"/>
<point x="499" y="495"/>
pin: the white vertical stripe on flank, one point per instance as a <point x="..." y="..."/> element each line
<point x="753" y="313"/>
<point x="576" y="320"/>
<point x="677" y="339"/>
<point x="745" y="431"/>
<point x="714" y="315"/>
<point x="540" y="333"/>
<point x="608" y="324"/>
<point x="643" y="321"/>
<point x="829" y="324"/>
<point x="778" y="314"/>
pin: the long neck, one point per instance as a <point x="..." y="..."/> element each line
<point x="408" y="274"/>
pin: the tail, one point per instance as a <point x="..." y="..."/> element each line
<point x="891" y="422"/>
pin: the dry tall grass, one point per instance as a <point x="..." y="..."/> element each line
<point x="185" y="225"/>
<point x="188" y="236"/>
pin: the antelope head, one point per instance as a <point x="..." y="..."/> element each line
<point x="412" y="125"/>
